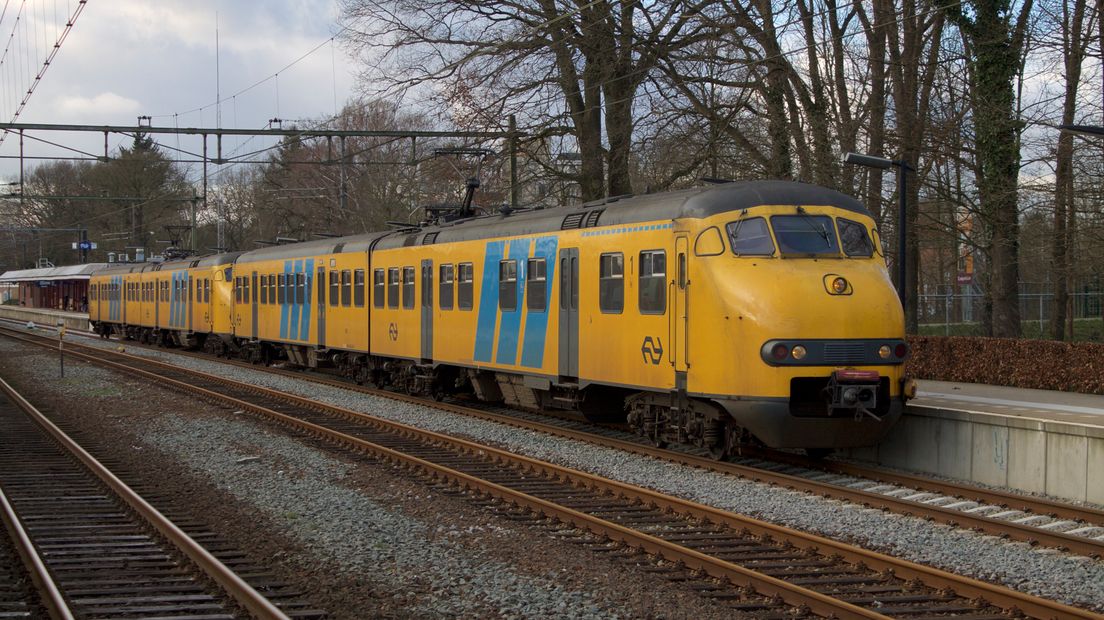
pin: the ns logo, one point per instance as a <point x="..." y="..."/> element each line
<point x="652" y="350"/>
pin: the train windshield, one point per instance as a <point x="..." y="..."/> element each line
<point x="805" y="235"/>
<point x="854" y="238"/>
<point x="750" y="237"/>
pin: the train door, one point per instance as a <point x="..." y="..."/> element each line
<point x="427" y="310"/>
<point x="680" y="311"/>
<point x="253" y="296"/>
<point x="320" y="282"/>
<point x="569" y="313"/>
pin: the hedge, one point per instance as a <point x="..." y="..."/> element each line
<point x="1037" y="364"/>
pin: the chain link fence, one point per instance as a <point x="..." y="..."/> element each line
<point x="962" y="313"/>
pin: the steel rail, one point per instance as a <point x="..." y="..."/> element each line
<point x="1037" y="505"/>
<point x="237" y="588"/>
<point x="51" y="596"/>
<point x="1075" y="544"/>
<point x="964" y="586"/>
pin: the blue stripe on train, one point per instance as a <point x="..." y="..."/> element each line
<point x="488" y="301"/>
<point x="292" y="297"/>
<point x="511" y="320"/>
<point x="304" y="323"/>
<point x="536" y="323"/>
<point x="285" y="309"/>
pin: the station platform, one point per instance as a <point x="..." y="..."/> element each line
<point x="46" y="317"/>
<point x="1035" y="441"/>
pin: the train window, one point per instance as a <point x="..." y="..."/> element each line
<point x="245" y="289"/>
<point x="653" y="282"/>
<point x="507" y="285"/>
<point x="393" y="287"/>
<point x="465" y="287"/>
<point x="262" y="288"/>
<point x="335" y="287"/>
<point x="358" y="288"/>
<point x="237" y="290"/>
<point x="346" y="288"/>
<point x="226" y="273"/>
<point x="805" y="235"/>
<point x="273" y="289"/>
<point x="300" y="289"/>
<point x="408" y="287"/>
<point x="378" y="288"/>
<point x="280" y="288"/>
<point x="446" y="287"/>
<point x="206" y="290"/>
<point x="750" y="237"/>
<point x="536" y="285"/>
<point x="611" y="283"/>
<point x="854" y="239"/>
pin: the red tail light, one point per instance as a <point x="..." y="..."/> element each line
<point x="780" y="351"/>
<point x="901" y="350"/>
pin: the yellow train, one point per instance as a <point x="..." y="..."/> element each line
<point x="704" y="317"/>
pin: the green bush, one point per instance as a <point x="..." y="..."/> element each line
<point x="1037" y="364"/>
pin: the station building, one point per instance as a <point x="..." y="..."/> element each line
<point x="52" y="288"/>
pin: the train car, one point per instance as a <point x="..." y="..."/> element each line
<point x="306" y="302"/>
<point x="713" y="317"/>
<point x="709" y="316"/>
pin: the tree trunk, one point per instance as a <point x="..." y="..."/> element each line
<point x="1073" y="52"/>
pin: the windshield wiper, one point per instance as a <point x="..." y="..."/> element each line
<point x="817" y="228"/>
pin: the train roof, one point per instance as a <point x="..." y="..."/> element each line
<point x="699" y="202"/>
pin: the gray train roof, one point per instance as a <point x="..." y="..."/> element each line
<point x="699" y="202"/>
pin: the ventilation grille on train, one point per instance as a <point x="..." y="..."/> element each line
<point x="844" y="352"/>
<point x="572" y="220"/>
<point x="429" y="238"/>
<point x="583" y="219"/>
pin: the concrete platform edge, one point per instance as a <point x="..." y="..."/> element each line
<point x="1063" y="460"/>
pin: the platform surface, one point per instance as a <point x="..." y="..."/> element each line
<point x="1046" y="405"/>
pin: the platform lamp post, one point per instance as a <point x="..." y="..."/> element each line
<point x="903" y="168"/>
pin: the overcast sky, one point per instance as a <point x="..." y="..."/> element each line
<point x="126" y="58"/>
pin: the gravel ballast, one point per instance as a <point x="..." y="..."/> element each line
<point x="1069" y="579"/>
<point x="365" y="541"/>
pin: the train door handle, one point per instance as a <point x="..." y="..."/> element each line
<point x="206" y="317"/>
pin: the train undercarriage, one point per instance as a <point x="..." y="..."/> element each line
<point x="721" y="429"/>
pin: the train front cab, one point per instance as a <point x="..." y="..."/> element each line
<point x="787" y="318"/>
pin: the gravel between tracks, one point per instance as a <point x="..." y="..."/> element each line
<point x="1073" y="580"/>
<point x="362" y="541"/>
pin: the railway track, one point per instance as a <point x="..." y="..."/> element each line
<point x="1076" y="529"/>
<point x="722" y="552"/>
<point x="95" y="548"/>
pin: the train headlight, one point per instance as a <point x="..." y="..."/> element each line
<point x="884" y="351"/>
<point x="839" y="285"/>
<point x="798" y="352"/>
<point x="780" y="351"/>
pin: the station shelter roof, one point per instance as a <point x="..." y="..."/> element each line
<point x="68" y="272"/>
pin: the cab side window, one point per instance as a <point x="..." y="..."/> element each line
<point x="653" y="282"/>
<point x="335" y="287"/>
